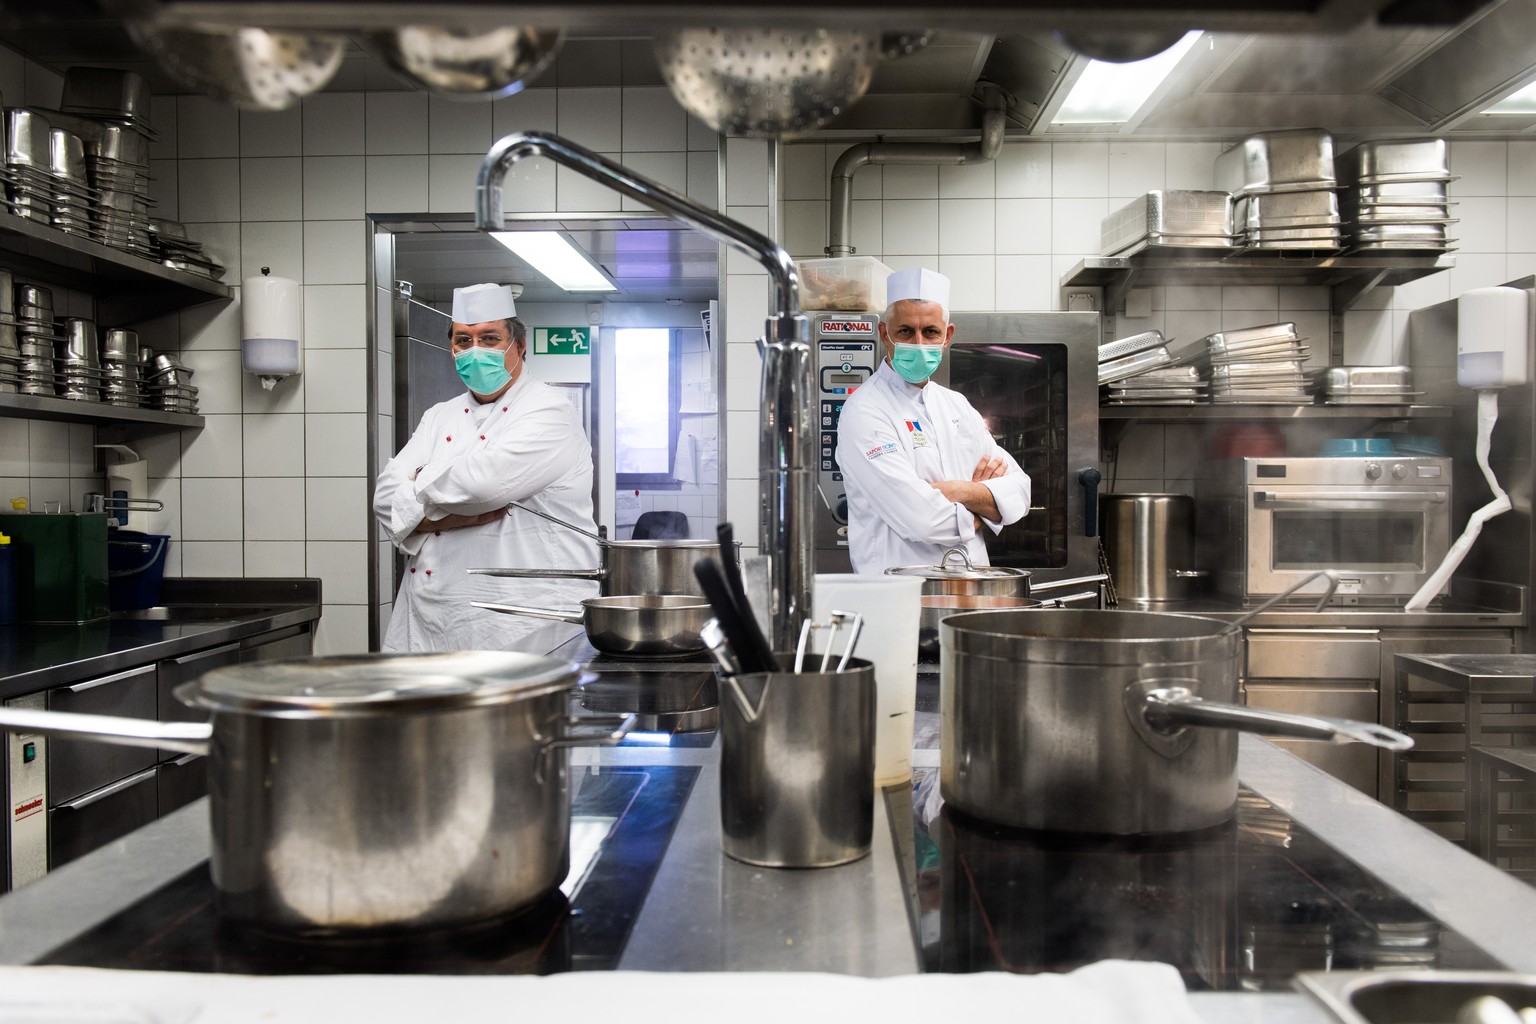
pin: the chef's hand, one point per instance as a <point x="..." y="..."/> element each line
<point x="975" y="496"/>
<point x="989" y="468"/>
<point x="452" y="521"/>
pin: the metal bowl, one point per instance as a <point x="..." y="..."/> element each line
<point x="120" y="345"/>
<point x="250" y="67"/>
<point x="471" y="63"/>
<point x="767" y="81"/>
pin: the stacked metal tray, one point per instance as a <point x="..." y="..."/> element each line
<point x="1138" y="370"/>
<point x="1394" y="196"/>
<point x="1366" y="385"/>
<point x="1260" y="365"/>
<point x="1283" y="185"/>
<point x="1175" y="218"/>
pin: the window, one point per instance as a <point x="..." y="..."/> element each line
<point x="645" y="401"/>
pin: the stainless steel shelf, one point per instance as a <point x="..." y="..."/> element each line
<point x="127" y="288"/>
<point x="1348" y="276"/>
<point x="1195" y="413"/>
<point x="42" y="407"/>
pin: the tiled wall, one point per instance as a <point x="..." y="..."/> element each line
<point x="1005" y="233"/>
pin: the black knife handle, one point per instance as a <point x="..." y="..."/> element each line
<point x="741" y="630"/>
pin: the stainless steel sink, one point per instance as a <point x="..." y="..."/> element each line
<point x="191" y="612"/>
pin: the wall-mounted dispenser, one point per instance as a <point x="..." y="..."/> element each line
<point x="127" y="489"/>
<point x="271" y="312"/>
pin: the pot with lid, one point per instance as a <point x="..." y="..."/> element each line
<point x="374" y="794"/>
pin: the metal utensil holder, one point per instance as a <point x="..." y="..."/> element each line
<point x="797" y="765"/>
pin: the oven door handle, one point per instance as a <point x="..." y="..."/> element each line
<point x="1314" y="498"/>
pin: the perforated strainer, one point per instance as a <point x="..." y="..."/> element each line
<point x="767" y="81"/>
<point x="250" y="67"/>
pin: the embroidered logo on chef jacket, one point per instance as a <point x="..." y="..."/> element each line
<point x="881" y="449"/>
<point x="919" y="439"/>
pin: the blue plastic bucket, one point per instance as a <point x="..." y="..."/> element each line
<point x="135" y="569"/>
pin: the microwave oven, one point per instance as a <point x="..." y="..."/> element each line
<point x="1382" y="523"/>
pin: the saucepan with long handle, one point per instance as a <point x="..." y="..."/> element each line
<point x="626" y="566"/>
<point x="632" y="626"/>
<point x="374" y="794"/>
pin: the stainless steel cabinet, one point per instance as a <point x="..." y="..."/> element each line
<point x="78" y="826"/>
<point x="77" y="767"/>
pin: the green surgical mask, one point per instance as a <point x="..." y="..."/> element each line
<point x="916" y="363"/>
<point x="483" y="370"/>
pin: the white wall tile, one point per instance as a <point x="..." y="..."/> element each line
<point x="334" y="124"/>
<point x="701" y="136"/>
<point x="967" y="226"/>
<point x="222" y="241"/>
<point x="274" y="445"/>
<point x="274" y="508"/>
<point x="396" y="122"/>
<point x="704" y="178"/>
<point x="736" y="261"/>
<point x="532" y="110"/>
<point x="163" y="188"/>
<point x="1024" y="282"/>
<point x="968" y="181"/>
<point x="911" y="226"/>
<point x="287" y="396"/>
<point x="669" y="169"/>
<point x="338" y="508"/>
<point x="1368" y="338"/>
<point x="49" y="449"/>
<point x="342" y="629"/>
<point x="1481" y="169"/>
<point x="972" y="279"/>
<point x="333" y="187"/>
<point x="217" y="376"/>
<point x="215" y="560"/>
<point x="271" y="188"/>
<point x="335" y="444"/>
<point x="653" y="121"/>
<point x="803" y="171"/>
<point x="13" y="74"/>
<point x="529" y="187"/>
<point x="1024" y="226"/>
<point x="1191" y="164"/>
<point x="456" y="126"/>
<point x="803" y="227"/>
<point x="280" y="558"/>
<point x="337" y="380"/>
<point x="396" y="184"/>
<point x="1483" y="224"/>
<point x="451" y="183"/>
<point x="1250" y="297"/>
<point x="868" y="230"/>
<point x="342" y="567"/>
<point x="1024" y="171"/>
<point x="743" y="431"/>
<point x="216" y="450"/>
<point x="1135" y="167"/>
<point x="1075" y="225"/>
<point x="1080" y="170"/>
<point x="577" y="193"/>
<point x="910" y="181"/>
<point x="1477" y="270"/>
<point x="206" y="128"/>
<point x="272" y="132"/>
<point x="335" y="252"/>
<point x="275" y="244"/>
<point x="335" y="316"/>
<point x="212" y="509"/>
<point x="208" y="190"/>
<point x="162" y="117"/>
<point x="592" y="117"/>
<point x="1521" y="164"/>
<point x="44" y="86"/>
<point x="746" y="172"/>
<point x="1521" y="220"/>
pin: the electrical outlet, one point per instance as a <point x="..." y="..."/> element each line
<point x="1077" y="300"/>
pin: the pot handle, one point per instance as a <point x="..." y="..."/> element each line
<point x="1328" y="574"/>
<point x="1168" y="708"/>
<point x="540" y="574"/>
<point x="606" y="734"/>
<point x="1057" y="602"/>
<point x="560" y="522"/>
<point x="186" y="737"/>
<point x="1075" y="581"/>
<point x="535" y="613"/>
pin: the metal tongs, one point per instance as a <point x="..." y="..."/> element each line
<point x="833" y="624"/>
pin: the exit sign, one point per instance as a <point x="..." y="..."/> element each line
<point x="562" y="341"/>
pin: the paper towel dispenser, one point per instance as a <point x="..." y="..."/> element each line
<point x="271" y="312"/>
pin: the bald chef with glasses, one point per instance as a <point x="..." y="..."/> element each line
<point x="444" y="498"/>
<point x="921" y="469"/>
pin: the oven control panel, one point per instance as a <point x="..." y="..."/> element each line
<point x="846" y="356"/>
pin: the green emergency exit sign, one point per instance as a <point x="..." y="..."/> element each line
<point x="562" y="341"/>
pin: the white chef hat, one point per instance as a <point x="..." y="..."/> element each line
<point x="481" y="302"/>
<point x="920" y="284"/>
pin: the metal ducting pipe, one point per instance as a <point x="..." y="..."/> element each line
<point x="994" y="120"/>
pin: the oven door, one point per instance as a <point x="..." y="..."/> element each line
<point x="1383" y="542"/>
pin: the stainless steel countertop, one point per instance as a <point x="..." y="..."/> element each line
<point x="707" y="913"/>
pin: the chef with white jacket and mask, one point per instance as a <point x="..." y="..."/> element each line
<point x="921" y="469"/>
<point x="444" y="498"/>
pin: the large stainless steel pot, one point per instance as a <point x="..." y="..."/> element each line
<point x="373" y="794"/>
<point x="632" y="626"/>
<point x="1115" y="722"/>
<point x="627" y="566"/>
<point x="1149" y="544"/>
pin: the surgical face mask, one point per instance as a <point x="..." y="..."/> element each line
<point x="916" y="363"/>
<point x="483" y="370"/>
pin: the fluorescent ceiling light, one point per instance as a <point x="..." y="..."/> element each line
<point x="1108" y="93"/>
<point x="557" y="259"/>
<point x="1522" y="102"/>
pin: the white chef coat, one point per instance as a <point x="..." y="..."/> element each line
<point x="467" y="458"/>
<point x="893" y="440"/>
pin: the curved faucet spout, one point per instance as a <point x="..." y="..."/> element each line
<point x="787" y="445"/>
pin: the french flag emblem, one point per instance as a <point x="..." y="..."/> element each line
<point x="914" y="425"/>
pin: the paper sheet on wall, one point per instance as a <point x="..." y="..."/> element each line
<point x="685" y="466"/>
<point x="626" y="508"/>
<point x="698" y="396"/>
<point x="709" y="460"/>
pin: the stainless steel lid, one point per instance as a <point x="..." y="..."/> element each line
<point x="366" y="685"/>
<point x="955" y="564"/>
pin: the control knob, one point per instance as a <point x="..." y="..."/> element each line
<point x="1373" y="471"/>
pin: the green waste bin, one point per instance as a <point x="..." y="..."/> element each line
<point x="61" y="565"/>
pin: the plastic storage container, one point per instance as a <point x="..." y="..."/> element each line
<point x="61" y="565"/>
<point x="135" y="569"/>
<point x="8" y="612"/>
<point x="843" y="283"/>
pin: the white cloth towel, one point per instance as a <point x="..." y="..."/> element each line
<point x="1108" y="992"/>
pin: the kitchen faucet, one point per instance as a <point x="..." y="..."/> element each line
<point x="786" y="448"/>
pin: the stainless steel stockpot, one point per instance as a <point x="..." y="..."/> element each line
<point x="1114" y="722"/>
<point x="374" y="794"/>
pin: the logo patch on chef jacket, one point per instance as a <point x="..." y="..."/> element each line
<point x="881" y="449"/>
<point x="919" y="439"/>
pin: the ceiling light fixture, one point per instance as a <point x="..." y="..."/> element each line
<point x="1522" y="102"/>
<point x="552" y="254"/>
<point x="1108" y="93"/>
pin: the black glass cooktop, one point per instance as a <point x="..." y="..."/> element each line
<point x="622" y="820"/>
<point x="1242" y="907"/>
<point x="675" y="706"/>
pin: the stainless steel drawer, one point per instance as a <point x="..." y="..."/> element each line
<point x="181" y="781"/>
<point x="175" y="671"/>
<point x="95" y="819"/>
<point x="1314" y="654"/>
<point x="1354" y="763"/>
<point x="76" y="767"/>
